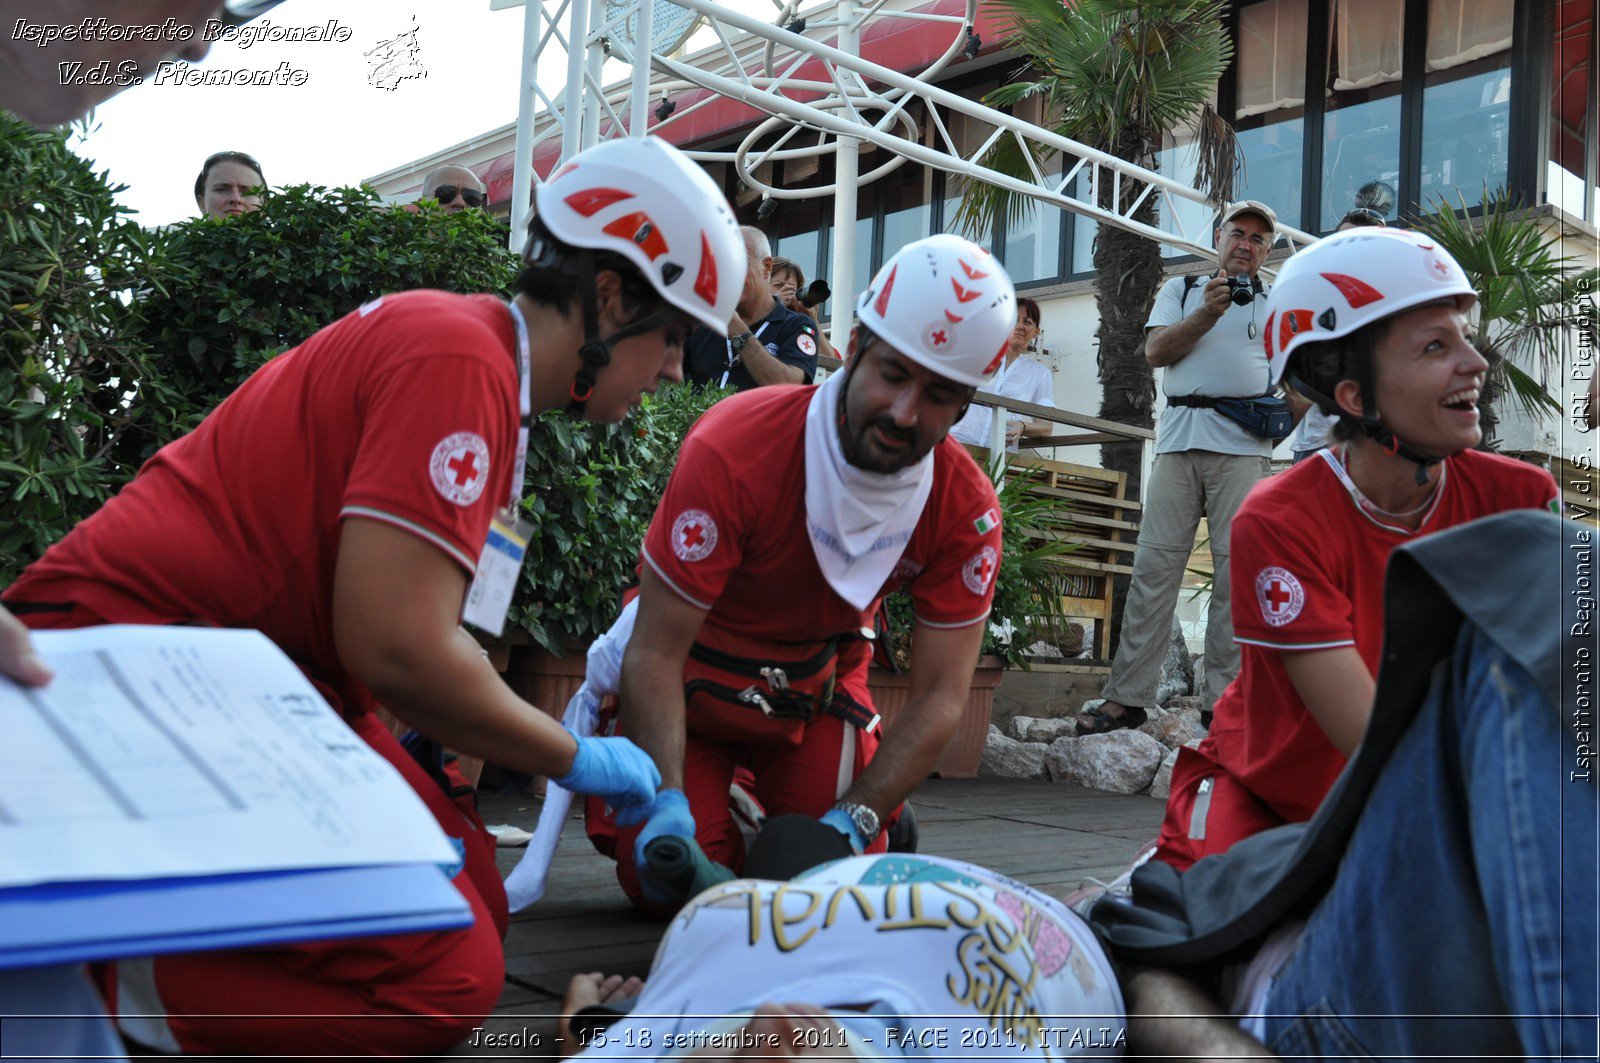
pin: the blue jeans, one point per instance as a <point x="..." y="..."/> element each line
<point x="1462" y="920"/>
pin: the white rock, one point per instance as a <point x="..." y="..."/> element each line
<point x="1010" y="759"/>
<point x="1161" y="785"/>
<point x="1034" y="729"/>
<point x="1177" y="667"/>
<point x="1122" y="762"/>
<point x="1173" y="729"/>
<point x="1044" y="649"/>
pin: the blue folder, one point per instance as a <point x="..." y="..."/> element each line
<point x="82" y="921"/>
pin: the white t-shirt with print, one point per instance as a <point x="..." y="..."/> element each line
<point x="934" y="957"/>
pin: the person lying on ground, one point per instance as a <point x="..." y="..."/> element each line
<point x="869" y="957"/>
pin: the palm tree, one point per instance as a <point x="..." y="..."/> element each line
<point x="1529" y="297"/>
<point x="1116" y="75"/>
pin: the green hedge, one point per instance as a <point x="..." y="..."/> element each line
<point x="118" y="340"/>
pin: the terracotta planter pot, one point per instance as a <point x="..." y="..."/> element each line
<point x="960" y="760"/>
<point x="545" y="680"/>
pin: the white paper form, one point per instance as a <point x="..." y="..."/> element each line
<point x="166" y="751"/>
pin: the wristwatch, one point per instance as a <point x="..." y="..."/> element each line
<point x="865" y="819"/>
<point x="740" y="340"/>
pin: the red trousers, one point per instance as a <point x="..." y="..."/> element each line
<point x="806" y="779"/>
<point x="1208" y="810"/>
<point x="391" y="995"/>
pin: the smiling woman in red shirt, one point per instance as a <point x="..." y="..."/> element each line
<point x="1371" y="326"/>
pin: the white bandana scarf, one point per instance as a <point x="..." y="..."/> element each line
<point x="859" y="522"/>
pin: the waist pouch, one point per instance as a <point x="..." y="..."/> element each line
<point x="749" y="694"/>
<point x="1265" y="416"/>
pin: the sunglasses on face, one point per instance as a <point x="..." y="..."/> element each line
<point x="470" y="196"/>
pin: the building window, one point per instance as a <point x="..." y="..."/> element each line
<point x="1361" y="109"/>
<point x="1369" y="130"/>
<point x="1574" y="144"/>
<point x="1466" y="101"/>
<point x="907" y="209"/>
<point x="1269" y="109"/>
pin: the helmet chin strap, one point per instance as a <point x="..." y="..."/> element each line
<point x="595" y="351"/>
<point x="1371" y="427"/>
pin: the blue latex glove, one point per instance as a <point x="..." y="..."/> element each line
<point x="615" y="770"/>
<point x="839" y="821"/>
<point x="668" y="816"/>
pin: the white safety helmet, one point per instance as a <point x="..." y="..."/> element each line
<point x="644" y="199"/>
<point x="1351" y="279"/>
<point x="945" y="303"/>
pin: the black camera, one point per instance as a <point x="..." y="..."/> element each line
<point x="1241" y="289"/>
<point x="816" y="293"/>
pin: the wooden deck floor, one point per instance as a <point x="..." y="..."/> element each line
<point x="1049" y="835"/>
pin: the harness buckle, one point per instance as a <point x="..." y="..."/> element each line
<point x="751" y="695"/>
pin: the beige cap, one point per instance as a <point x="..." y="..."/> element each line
<point x="1250" y="206"/>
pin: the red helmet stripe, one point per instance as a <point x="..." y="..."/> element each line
<point x="591" y="201"/>
<point x="1293" y="323"/>
<point x="972" y="274"/>
<point x="639" y="229"/>
<point x="953" y="319"/>
<point x="1357" y="293"/>
<point x="964" y="295"/>
<point x="998" y="355"/>
<point x="881" y="307"/>
<point x="705" y="283"/>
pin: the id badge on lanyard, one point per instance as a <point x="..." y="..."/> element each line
<point x="500" y="561"/>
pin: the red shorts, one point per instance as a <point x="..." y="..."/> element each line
<point x="391" y="995"/>
<point x="1207" y="811"/>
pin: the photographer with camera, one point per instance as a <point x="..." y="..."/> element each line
<point x="790" y="288"/>
<point x="766" y="343"/>
<point x="1213" y="443"/>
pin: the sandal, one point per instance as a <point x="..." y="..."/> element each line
<point x="1104" y="723"/>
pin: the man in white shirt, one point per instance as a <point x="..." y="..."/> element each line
<point x="1205" y="334"/>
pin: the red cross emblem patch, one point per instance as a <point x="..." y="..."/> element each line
<point x="979" y="571"/>
<point x="459" y="467"/>
<point x="1280" y="595"/>
<point x="694" y="535"/>
<point x="939" y="335"/>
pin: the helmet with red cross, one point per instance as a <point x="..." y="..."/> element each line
<point x="945" y="303"/>
<point x="645" y="200"/>
<point x="1349" y="280"/>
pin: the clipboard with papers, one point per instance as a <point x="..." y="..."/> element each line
<point x="176" y="789"/>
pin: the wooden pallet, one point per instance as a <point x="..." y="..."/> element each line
<point x="1090" y="511"/>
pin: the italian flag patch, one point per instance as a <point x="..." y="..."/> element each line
<point x="988" y="522"/>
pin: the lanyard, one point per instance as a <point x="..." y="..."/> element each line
<point x="519" y="477"/>
<point x="733" y="358"/>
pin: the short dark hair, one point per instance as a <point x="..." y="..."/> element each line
<point x="1323" y="364"/>
<point x="224" y="156"/>
<point x="1362" y="216"/>
<point x="1024" y="303"/>
<point x="789" y="265"/>
<point x="552" y="280"/>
